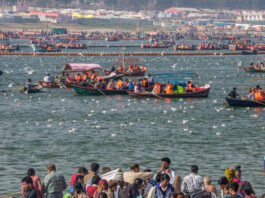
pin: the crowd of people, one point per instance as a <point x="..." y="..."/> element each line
<point x="136" y="183"/>
<point x="253" y="94"/>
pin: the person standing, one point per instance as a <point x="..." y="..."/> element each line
<point x="192" y="183"/>
<point x="222" y="182"/>
<point x="208" y="185"/>
<point x="28" y="190"/>
<point x="162" y="189"/>
<point x="165" y="168"/>
<point x="233" y="188"/>
<point x="36" y="182"/>
<point x="54" y="183"/>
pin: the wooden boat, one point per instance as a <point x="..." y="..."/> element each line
<point x="198" y="94"/>
<point x="244" y="102"/>
<point x="251" y="69"/>
<point x="91" y="91"/>
<point x="128" y="61"/>
<point x="34" y="89"/>
<point x="70" y="68"/>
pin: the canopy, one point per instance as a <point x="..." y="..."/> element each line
<point x="80" y="67"/>
<point x="172" y="10"/>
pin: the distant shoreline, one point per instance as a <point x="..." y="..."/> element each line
<point x="73" y="27"/>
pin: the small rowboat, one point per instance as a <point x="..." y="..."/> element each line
<point x="198" y="94"/>
<point x="91" y="91"/>
<point x="244" y="102"/>
<point x="251" y="69"/>
<point x="34" y="89"/>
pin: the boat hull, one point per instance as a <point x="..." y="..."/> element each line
<point x="91" y="91"/>
<point x="199" y="94"/>
<point x="244" y="103"/>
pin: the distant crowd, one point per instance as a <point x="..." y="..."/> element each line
<point x="136" y="183"/>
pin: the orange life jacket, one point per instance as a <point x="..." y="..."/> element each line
<point x="110" y="86"/>
<point x="84" y="77"/>
<point x="259" y="95"/>
<point x="144" y="83"/>
<point x="158" y="88"/>
<point x="119" y="84"/>
<point x="169" y="89"/>
<point x="189" y="87"/>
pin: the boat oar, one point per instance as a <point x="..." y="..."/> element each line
<point x="10" y="79"/>
<point x="260" y="78"/>
<point x="97" y="89"/>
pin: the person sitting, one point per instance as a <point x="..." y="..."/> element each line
<point x="130" y="85"/>
<point x="169" y="88"/>
<point x="103" y="85"/>
<point x="113" y="69"/>
<point x="251" y="95"/>
<point x="251" y="65"/>
<point x="29" y="84"/>
<point x="157" y="88"/>
<point x="68" y="78"/>
<point x="110" y="85"/>
<point x="262" y="65"/>
<point x="190" y="86"/>
<point x="120" y="68"/>
<point x="259" y="94"/>
<point x="47" y="78"/>
<point x="119" y="84"/>
<point x="233" y="93"/>
<point x="180" y="89"/>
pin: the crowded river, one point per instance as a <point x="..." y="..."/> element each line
<point x="57" y="126"/>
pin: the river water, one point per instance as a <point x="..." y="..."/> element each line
<point x="57" y="126"/>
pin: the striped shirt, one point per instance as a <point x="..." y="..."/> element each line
<point x="54" y="182"/>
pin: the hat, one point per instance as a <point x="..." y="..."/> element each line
<point x="119" y="176"/>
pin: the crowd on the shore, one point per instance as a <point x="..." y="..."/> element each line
<point x="136" y="183"/>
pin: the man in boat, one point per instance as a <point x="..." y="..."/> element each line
<point x="68" y="78"/>
<point x="233" y="93"/>
<point x="113" y="69"/>
<point x="151" y="80"/>
<point x="190" y="86"/>
<point x="29" y="84"/>
<point x="47" y="78"/>
<point x="259" y="94"/>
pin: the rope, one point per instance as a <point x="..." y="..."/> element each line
<point x="11" y="194"/>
